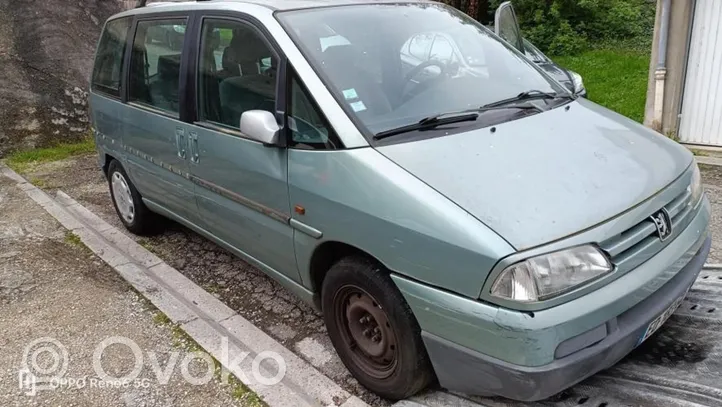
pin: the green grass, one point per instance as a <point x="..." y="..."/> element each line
<point x="73" y="239"/>
<point x="245" y="395"/>
<point x="22" y="160"/>
<point x="161" y="319"/>
<point x="38" y="182"/>
<point x="700" y="153"/>
<point x="614" y="78"/>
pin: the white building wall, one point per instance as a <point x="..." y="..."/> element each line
<point x="701" y="121"/>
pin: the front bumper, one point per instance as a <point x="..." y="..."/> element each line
<point x="467" y="371"/>
<point x="480" y="348"/>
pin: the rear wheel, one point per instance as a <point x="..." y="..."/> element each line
<point x="373" y="329"/>
<point x="129" y="206"/>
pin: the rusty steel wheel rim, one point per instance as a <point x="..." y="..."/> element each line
<point x="366" y="331"/>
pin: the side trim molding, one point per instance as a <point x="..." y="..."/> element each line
<point x="304" y="228"/>
<point x="271" y="213"/>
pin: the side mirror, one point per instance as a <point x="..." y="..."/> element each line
<point x="260" y="125"/>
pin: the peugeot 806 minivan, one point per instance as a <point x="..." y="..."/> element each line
<point x="474" y="224"/>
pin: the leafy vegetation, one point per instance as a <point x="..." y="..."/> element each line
<point x="22" y="160"/>
<point x="572" y="26"/>
<point x="608" y="42"/>
<point x="614" y="78"/>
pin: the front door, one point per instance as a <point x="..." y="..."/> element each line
<point x="241" y="185"/>
<point x="155" y="138"/>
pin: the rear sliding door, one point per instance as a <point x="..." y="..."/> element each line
<point x="156" y="141"/>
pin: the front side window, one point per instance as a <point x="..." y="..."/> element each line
<point x="109" y="58"/>
<point x="237" y="72"/>
<point x="429" y="58"/>
<point x="155" y="64"/>
<point x="419" y="46"/>
<point x="308" y="128"/>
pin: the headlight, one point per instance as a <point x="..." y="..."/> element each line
<point x="577" y="81"/>
<point x="546" y="276"/>
<point x="695" y="187"/>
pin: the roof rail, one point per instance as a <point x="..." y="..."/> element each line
<point x="142" y="3"/>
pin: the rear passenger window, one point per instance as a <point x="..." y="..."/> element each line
<point x="155" y="63"/>
<point x="237" y="72"/>
<point x="109" y="57"/>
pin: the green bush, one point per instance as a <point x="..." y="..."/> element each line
<point x="566" y="41"/>
<point x="568" y="26"/>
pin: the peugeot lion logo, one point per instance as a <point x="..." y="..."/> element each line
<point x="663" y="223"/>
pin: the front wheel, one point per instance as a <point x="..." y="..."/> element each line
<point x="373" y="329"/>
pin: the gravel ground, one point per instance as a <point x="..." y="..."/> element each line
<point x="53" y="286"/>
<point x="243" y="287"/>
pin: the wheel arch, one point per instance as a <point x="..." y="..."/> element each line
<point x="326" y="255"/>
<point x="107" y="159"/>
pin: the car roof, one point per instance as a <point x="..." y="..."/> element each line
<point x="161" y="6"/>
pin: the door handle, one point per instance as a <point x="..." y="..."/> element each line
<point x="180" y="142"/>
<point x="193" y="142"/>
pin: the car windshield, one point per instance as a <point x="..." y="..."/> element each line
<point x="534" y="54"/>
<point x="392" y="65"/>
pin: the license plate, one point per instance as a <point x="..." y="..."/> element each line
<point x="661" y="319"/>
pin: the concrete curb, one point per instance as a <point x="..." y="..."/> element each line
<point x="437" y="399"/>
<point x="708" y="160"/>
<point x="226" y="335"/>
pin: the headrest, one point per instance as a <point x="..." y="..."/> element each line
<point x="169" y="67"/>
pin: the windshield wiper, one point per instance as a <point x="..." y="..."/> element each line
<point x="436" y="120"/>
<point x="529" y="95"/>
<point x="431" y="122"/>
<point x="487" y="108"/>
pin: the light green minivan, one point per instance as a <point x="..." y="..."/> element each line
<point x="468" y="221"/>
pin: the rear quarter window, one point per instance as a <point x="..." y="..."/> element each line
<point x="107" y="71"/>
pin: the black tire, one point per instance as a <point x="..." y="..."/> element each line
<point x="143" y="222"/>
<point x="350" y="286"/>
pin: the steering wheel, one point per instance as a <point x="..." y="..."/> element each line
<point x="425" y="84"/>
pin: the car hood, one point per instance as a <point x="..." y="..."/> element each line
<point x="549" y="175"/>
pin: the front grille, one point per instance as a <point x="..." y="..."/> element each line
<point x="639" y="243"/>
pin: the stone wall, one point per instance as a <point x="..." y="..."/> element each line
<point x="46" y="55"/>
